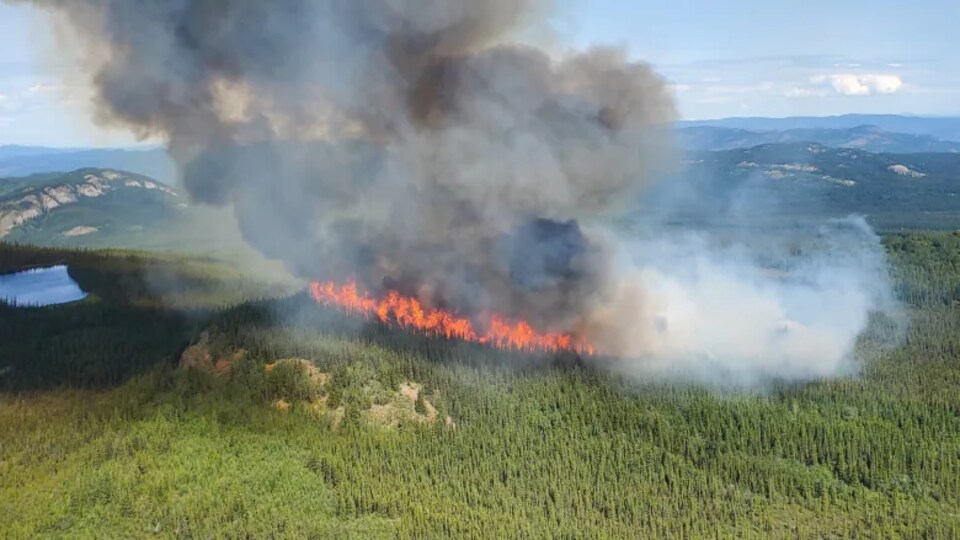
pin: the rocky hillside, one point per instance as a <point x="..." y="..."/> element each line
<point x="922" y="174"/>
<point x="23" y="201"/>
<point x="113" y="208"/>
<point x="800" y="180"/>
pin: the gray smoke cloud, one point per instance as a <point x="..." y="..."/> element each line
<point x="406" y="143"/>
<point x="416" y="145"/>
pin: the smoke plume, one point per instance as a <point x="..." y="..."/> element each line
<point x="693" y="307"/>
<point x="416" y="145"/>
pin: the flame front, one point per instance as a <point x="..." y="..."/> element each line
<point x="409" y="313"/>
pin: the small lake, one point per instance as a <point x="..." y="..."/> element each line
<point x="40" y="287"/>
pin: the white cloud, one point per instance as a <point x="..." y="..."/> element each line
<point x="804" y="91"/>
<point x="848" y="84"/>
<point x="41" y="88"/>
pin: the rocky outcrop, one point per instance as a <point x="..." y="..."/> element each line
<point x="297" y="383"/>
<point x="23" y="206"/>
<point x="199" y="357"/>
<point x="405" y="405"/>
<point x="903" y="170"/>
<point x="80" y="230"/>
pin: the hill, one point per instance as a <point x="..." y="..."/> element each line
<point x="764" y="184"/>
<point x="106" y="208"/>
<point x="869" y="138"/>
<point x="83" y="202"/>
<point x="16" y="150"/>
<point x="799" y="181"/>
<point x="28" y="160"/>
<point x="947" y="128"/>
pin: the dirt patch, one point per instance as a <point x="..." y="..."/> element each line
<point x="318" y="406"/>
<point x="199" y="357"/>
<point x="410" y="390"/>
<point x="431" y="412"/>
<point x="224" y="366"/>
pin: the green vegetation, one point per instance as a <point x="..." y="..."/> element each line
<point x="143" y="309"/>
<point x="154" y="218"/>
<point x="534" y="447"/>
<point x="780" y="184"/>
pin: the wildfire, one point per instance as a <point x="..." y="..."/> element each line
<point x="409" y="313"/>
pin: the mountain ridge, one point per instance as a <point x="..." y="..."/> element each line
<point x="19" y="161"/>
<point x="793" y="182"/>
<point x="943" y="127"/>
<point x="865" y="137"/>
<point x="26" y="200"/>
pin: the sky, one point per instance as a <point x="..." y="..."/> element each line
<point x="732" y="58"/>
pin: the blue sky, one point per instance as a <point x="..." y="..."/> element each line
<point x="733" y="58"/>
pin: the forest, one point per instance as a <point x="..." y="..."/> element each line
<point x="184" y="399"/>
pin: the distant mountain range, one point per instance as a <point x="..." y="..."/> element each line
<point x="800" y="180"/>
<point x="27" y="160"/>
<point x="941" y="127"/>
<point x="875" y="133"/>
<point x="869" y="138"/>
<point x="769" y="184"/>
<point x="729" y="174"/>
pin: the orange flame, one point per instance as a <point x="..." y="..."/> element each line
<point x="409" y="313"/>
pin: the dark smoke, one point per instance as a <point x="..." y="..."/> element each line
<point x="408" y="142"/>
<point x="416" y="145"/>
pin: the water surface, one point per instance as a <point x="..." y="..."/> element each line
<point x="40" y="287"/>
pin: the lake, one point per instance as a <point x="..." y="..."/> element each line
<point x="40" y="287"/>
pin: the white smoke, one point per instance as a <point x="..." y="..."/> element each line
<point x="684" y="307"/>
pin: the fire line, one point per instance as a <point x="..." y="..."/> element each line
<point x="408" y="313"/>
